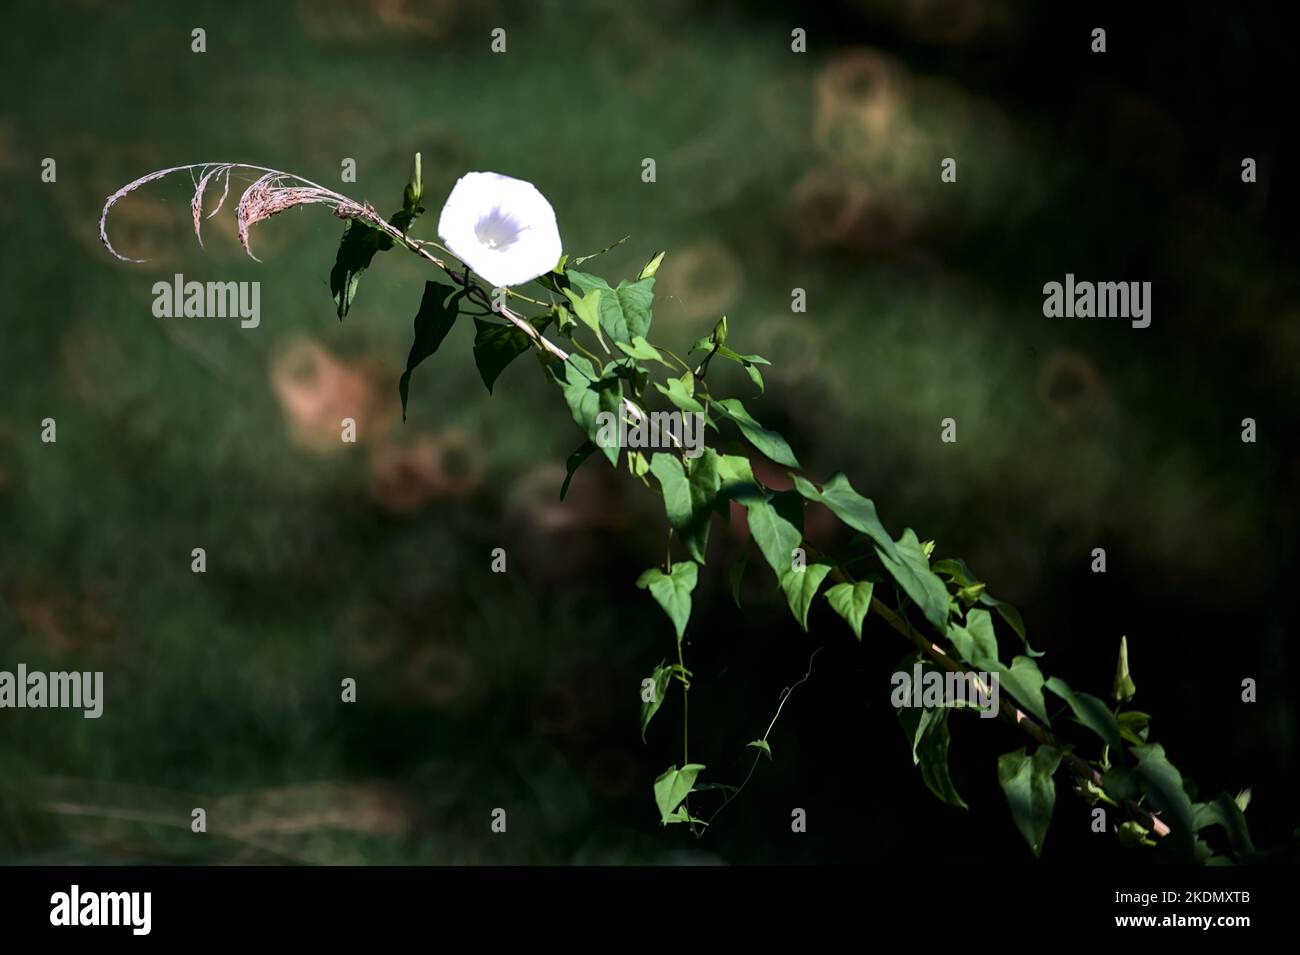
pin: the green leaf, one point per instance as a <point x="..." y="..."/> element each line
<point x="955" y="569"/>
<point x="624" y="311"/>
<point x="1163" y="785"/>
<point x="761" y="744"/>
<point x="635" y="299"/>
<point x="357" y="248"/>
<point x="801" y="588"/>
<point x="702" y="473"/>
<point x="849" y="506"/>
<point x="688" y="496"/>
<point x="1030" y="791"/>
<point x="609" y="398"/>
<point x="575" y="461"/>
<point x="496" y="346"/>
<point x="578" y="381"/>
<point x="587" y="310"/>
<point x="737" y="477"/>
<point x="1124" y="689"/>
<point x="1024" y="681"/>
<point x="670" y="474"/>
<point x="360" y="242"/>
<point x="931" y="754"/>
<point x="852" y="601"/>
<point x="975" y="642"/>
<point x="677" y="393"/>
<point x="1133" y="726"/>
<point x="673" y="786"/>
<point x="755" y="376"/>
<point x="917" y="720"/>
<point x="642" y="350"/>
<point x="768" y="442"/>
<point x="662" y="677"/>
<point x="637" y="464"/>
<point x="439" y="307"/>
<point x="673" y="591"/>
<point x="1091" y="712"/>
<point x="911" y="568"/>
<point x="1224" y="812"/>
<point x="790" y="506"/>
<point x="1012" y="616"/>
<point x="775" y="536"/>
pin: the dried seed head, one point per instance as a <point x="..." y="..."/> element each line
<point x="272" y="192"/>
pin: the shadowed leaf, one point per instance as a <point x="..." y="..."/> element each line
<point x="438" y="309"/>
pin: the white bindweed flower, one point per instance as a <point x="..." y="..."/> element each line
<point x="502" y="228"/>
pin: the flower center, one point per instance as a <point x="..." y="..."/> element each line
<point x="497" y="230"/>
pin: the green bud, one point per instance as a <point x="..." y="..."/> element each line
<point x="1089" y="791"/>
<point x="1124" y="688"/>
<point x="652" y="266"/>
<point x="1242" y="799"/>
<point x="1131" y="834"/>
<point x="414" y="188"/>
<point x="720" y="331"/>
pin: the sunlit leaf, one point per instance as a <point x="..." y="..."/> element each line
<point x="911" y="568"/>
<point x="766" y="441"/>
<point x="801" y="587"/>
<point x="662" y="677"/>
<point x="852" y="601"/>
<point x="673" y="786"/>
<point x="673" y="591"/>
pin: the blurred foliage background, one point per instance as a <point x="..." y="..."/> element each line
<point x="775" y="171"/>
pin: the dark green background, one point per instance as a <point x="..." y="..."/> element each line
<point x="775" y="171"/>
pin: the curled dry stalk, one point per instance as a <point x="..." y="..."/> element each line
<point x="1131" y="773"/>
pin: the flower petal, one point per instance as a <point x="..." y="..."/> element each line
<point x="502" y="228"/>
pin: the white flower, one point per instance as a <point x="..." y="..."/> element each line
<point x="502" y="228"/>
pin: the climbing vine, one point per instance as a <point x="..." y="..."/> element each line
<point x="593" y="341"/>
